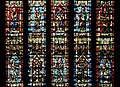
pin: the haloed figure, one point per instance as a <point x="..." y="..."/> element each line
<point x="14" y="19"/>
<point x="82" y="20"/>
<point x="37" y="19"/>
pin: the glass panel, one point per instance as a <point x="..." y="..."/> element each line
<point x="105" y="43"/>
<point x="37" y="42"/>
<point x="14" y="43"/>
<point x="59" y="43"/>
<point x="82" y="43"/>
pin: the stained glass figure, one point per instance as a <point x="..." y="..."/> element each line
<point x="37" y="42"/>
<point x="59" y="43"/>
<point x="82" y="44"/>
<point x="14" y="43"/>
<point x="105" y="43"/>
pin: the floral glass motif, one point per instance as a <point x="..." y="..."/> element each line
<point x="82" y="43"/>
<point x="105" y="43"/>
<point x="14" y="43"/>
<point x="37" y="42"/>
<point x="59" y="43"/>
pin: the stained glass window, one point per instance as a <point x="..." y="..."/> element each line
<point x="105" y="43"/>
<point x="14" y="43"/>
<point x="59" y="43"/>
<point x="37" y="42"/>
<point x="82" y="43"/>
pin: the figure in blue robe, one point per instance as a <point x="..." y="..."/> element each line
<point x="14" y="20"/>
